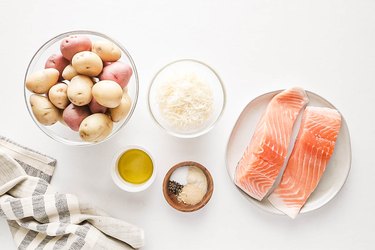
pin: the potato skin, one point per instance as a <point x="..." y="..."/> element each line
<point x="107" y="93"/>
<point x="44" y="111"/>
<point x="119" y="72"/>
<point x="61" y="119"/>
<point x="95" y="127"/>
<point x="41" y="81"/>
<point x="87" y="63"/>
<point x="58" y="95"/>
<point x="95" y="107"/>
<point x="73" y="115"/>
<point x="69" y="72"/>
<point x="73" y="44"/>
<point x="57" y="61"/>
<point x="122" y="110"/>
<point x="106" y="50"/>
<point x="79" y="90"/>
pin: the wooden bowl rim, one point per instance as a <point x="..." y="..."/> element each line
<point x="181" y="206"/>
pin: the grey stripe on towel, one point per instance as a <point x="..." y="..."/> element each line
<point x="34" y="172"/>
<point x="42" y="228"/>
<point x="60" y="244"/>
<point x="17" y="208"/>
<point x="30" y="236"/>
<point x="62" y="208"/>
<point x="77" y="244"/>
<point x="44" y="242"/>
<point x="41" y="188"/>
<point x="39" y="209"/>
<point x="61" y="229"/>
<point x="82" y="231"/>
<point x="2" y="214"/>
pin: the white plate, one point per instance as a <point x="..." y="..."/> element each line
<point x="336" y="172"/>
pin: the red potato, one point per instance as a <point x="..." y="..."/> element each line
<point x="57" y="61"/>
<point x="118" y="71"/>
<point x="74" y="44"/>
<point x="95" y="107"/>
<point x="74" y="115"/>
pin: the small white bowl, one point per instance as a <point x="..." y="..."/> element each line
<point x="127" y="186"/>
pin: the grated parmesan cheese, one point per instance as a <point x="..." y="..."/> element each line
<point x="185" y="102"/>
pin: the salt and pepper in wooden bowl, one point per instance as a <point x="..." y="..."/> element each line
<point x="188" y="186"/>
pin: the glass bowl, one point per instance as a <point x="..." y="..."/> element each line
<point x="58" y="131"/>
<point x="176" y="72"/>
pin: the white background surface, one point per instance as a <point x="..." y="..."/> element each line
<point x="327" y="47"/>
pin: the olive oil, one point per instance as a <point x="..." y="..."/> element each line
<point x="135" y="166"/>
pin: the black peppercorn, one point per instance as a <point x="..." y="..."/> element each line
<point x="174" y="187"/>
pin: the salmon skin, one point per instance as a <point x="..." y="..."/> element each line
<point x="313" y="148"/>
<point x="265" y="155"/>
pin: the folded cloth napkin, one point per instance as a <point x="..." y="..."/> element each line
<point x="41" y="218"/>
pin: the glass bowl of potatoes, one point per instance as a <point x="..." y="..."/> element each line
<point x="81" y="87"/>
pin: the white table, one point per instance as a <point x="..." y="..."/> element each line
<point x="327" y="47"/>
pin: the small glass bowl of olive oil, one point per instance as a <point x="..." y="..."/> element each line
<point x="133" y="169"/>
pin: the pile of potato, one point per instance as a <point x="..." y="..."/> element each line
<point x="84" y="86"/>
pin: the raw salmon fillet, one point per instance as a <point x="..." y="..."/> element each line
<point x="313" y="149"/>
<point x="264" y="157"/>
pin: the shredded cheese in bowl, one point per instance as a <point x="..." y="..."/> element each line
<point x="186" y="98"/>
<point x="185" y="102"/>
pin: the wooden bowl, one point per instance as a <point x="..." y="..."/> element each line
<point x="172" y="199"/>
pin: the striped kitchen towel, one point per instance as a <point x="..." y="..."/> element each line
<point x="41" y="218"/>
